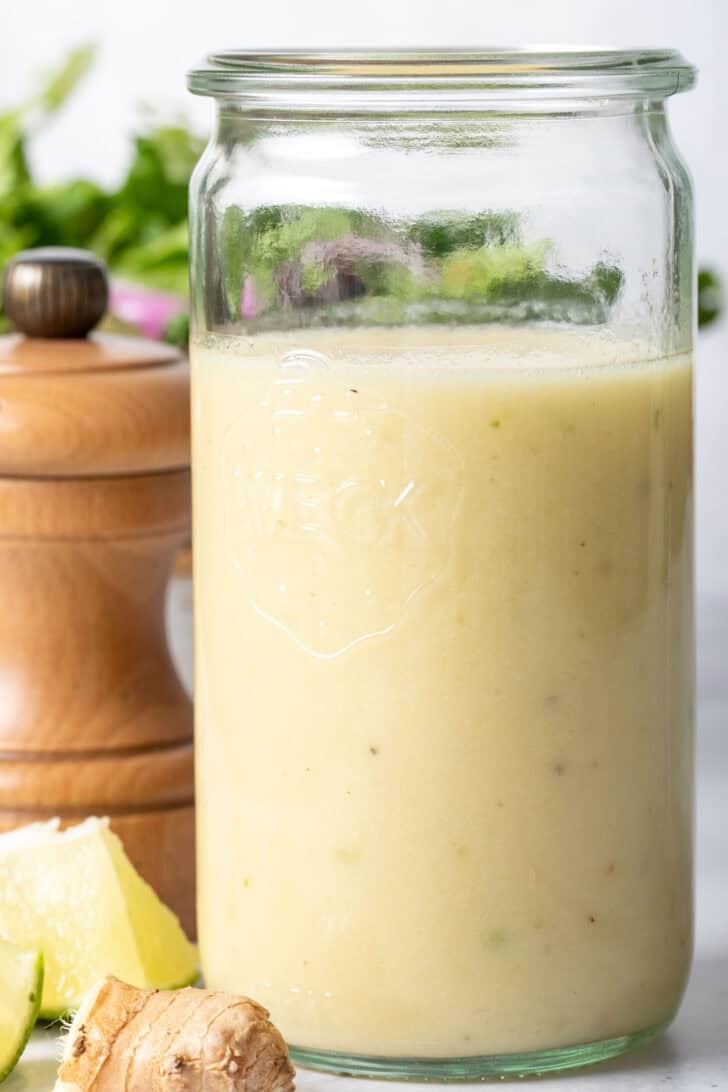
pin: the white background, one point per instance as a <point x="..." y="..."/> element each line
<point x="147" y="45"/>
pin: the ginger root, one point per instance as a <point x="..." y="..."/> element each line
<point x="123" y="1038"/>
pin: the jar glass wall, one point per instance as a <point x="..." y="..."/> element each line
<point x="442" y="317"/>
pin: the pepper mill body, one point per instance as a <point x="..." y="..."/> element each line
<point x="94" y="507"/>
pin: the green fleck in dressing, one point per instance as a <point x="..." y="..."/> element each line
<point x="347" y="854"/>
<point x="495" y="938"/>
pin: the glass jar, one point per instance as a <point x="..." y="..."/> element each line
<point x="442" y="318"/>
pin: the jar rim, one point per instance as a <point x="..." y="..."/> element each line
<point x="275" y="76"/>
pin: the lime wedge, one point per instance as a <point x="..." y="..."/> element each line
<point x="21" y="985"/>
<point x="75" y="895"/>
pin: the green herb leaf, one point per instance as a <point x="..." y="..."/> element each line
<point x="710" y="297"/>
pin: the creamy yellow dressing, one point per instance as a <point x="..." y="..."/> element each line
<point x="444" y="685"/>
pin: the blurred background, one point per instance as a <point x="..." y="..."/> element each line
<point x="98" y="143"/>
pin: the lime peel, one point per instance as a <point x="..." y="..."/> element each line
<point x="21" y="988"/>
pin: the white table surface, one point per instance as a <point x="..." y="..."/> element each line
<point x="693" y="1055"/>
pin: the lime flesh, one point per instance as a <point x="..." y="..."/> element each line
<point x="21" y="986"/>
<point x="75" y="896"/>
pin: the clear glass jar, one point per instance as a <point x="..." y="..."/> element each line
<point x="442" y="317"/>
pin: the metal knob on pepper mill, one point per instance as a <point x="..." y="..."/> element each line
<point x="55" y="292"/>
<point x="94" y="506"/>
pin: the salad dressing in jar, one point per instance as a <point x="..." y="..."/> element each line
<point x="442" y="474"/>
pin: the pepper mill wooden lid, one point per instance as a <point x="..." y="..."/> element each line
<point x="76" y="402"/>
<point x="94" y="507"/>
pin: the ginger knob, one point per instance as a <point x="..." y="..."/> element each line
<point x="172" y="1041"/>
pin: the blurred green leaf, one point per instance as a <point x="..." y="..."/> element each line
<point x="177" y="331"/>
<point x="61" y="214"/>
<point x="139" y="229"/>
<point x="14" y="170"/>
<point x="710" y="297"/>
<point x="63" y="81"/>
<point x="468" y="273"/>
<point x="450" y="231"/>
<point x="159" y="260"/>
<point x="159" y="174"/>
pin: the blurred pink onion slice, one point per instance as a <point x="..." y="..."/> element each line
<point x="145" y="308"/>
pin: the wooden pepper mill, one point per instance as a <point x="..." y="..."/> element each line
<point x="94" y="505"/>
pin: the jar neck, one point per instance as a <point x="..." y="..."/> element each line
<point x="236" y="127"/>
<point x="232" y="114"/>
